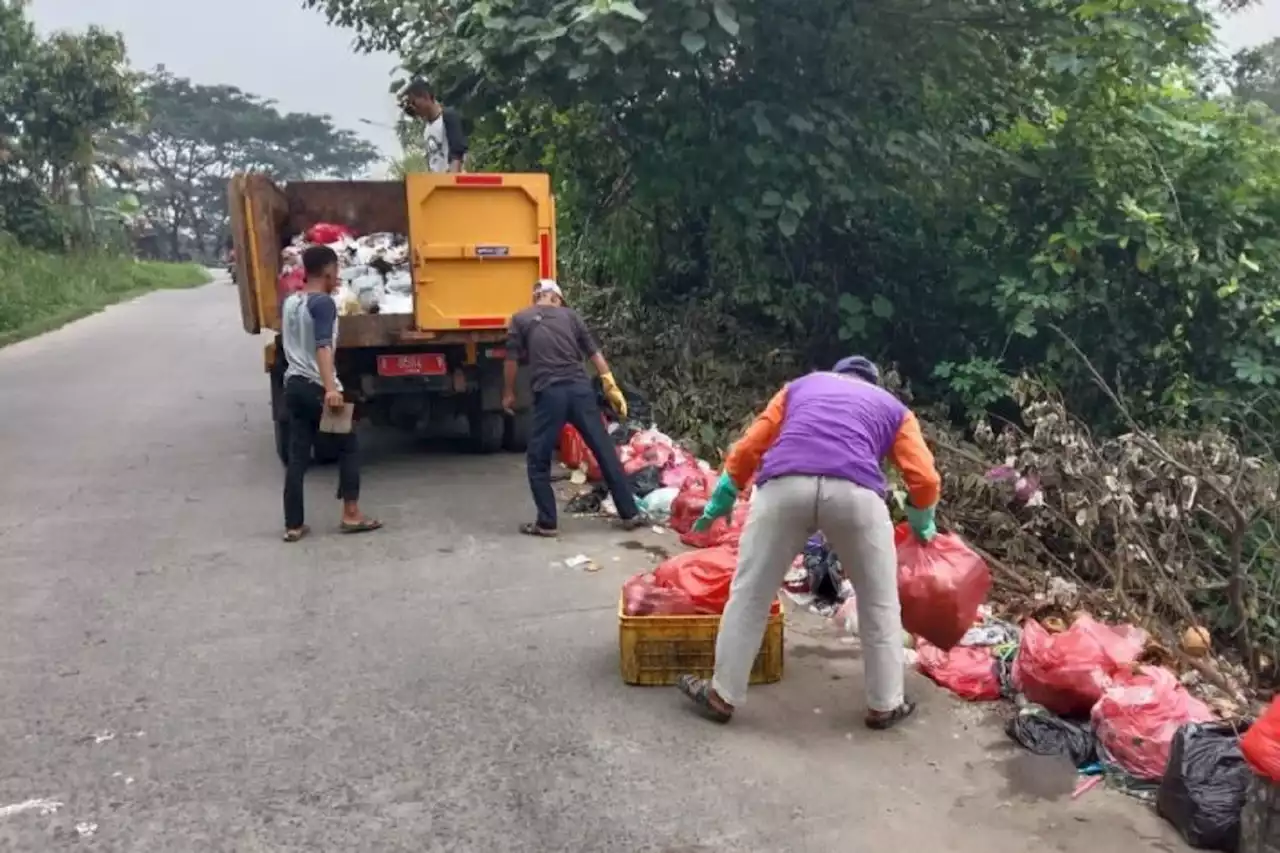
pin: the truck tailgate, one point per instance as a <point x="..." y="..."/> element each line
<point x="480" y="241"/>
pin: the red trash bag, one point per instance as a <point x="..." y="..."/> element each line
<point x="327" y="232"/>
<point x="642" y="595"/>
<point x="689" y="503"/>
<point x="573" y="450"/>
<point x="1138" y="715"/>
<point x="290" y="282"/>
<point x="704" y="575"/>
<point x="1261" y="744"/>
<point x="725" y="532"/>
<point x="1067" y="672"/>
<point x="942" y="584"/>
<point x="970" y="673"/>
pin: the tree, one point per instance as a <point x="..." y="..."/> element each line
<point x="1257" y="74"/>
<point x="194" y="137"/>
<point x="58" y="97"/>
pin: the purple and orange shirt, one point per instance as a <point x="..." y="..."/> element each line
<point x="830" y="425"/>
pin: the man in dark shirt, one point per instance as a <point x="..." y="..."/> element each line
<point x="553" y="341"/>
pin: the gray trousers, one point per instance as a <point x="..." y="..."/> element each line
<point x="784" y="513"/>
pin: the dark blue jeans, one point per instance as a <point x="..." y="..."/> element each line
<point x="573" y="403"/>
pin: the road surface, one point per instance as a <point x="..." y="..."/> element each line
<point x="174" y="678"/>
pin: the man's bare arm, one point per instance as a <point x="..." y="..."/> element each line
<point x="328" y="375"/>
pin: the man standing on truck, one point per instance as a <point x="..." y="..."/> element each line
<point x="553" y="341"/>
<point x="445" y="142"/>
<point x="309" y="334"/>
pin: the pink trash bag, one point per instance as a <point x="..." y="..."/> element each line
<point x="942" y="584"/>
<point x="1067" y="672"/>
<point x="970" y="673"/>
<point x="1138" y="715"/>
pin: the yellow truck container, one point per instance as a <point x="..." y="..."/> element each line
<point x="478" y="242"/>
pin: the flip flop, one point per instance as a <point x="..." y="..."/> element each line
<point x="635" y="522"/>
<point x="883" y="722"/>
<point x="364" y="525"/>
<point x="698" y="691"/>
<point x="534" y="529"/>
<point x="297" y="535"/>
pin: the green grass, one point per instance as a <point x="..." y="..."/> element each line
<point x="40" y="292"/>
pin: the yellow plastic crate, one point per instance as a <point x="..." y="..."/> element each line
<point x="657" y="650"/>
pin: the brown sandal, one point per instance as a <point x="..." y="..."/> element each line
<point x="698" y="691"/>
<point x="297" y="535"/>
<point x="364" y="525"/>
<point x="883" y="720"/>
<point x="535" y="529"/>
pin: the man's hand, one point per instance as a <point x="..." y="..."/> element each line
<point x="509" y="402"/>
<point x="333" y="399"/>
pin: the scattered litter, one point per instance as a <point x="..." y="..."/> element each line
<point x="578" y="477"/>
<point x="582" y="562"/>
<point x="104" y="737"/>
<point x="1042" y="733"/>
<point x="1196" y="642"/>
<point x="656" y="505"/>
<point x="1085" y="785"/>
<point x="585" y="503"/>
<point x="43" y="805"/>
<point x="1203" y="790"/>
<point x="86" y="829"/>
<point x="659" y="529"/>
<point x="826" y="577"/>
<point x="992" y="632"/>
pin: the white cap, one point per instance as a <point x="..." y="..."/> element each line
<point x="546" y="285"/>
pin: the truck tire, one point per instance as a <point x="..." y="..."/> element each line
<point x="488" y="429"/>
<point x="516" y="438"/>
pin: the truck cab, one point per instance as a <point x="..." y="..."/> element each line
<point x="477" y="244"/>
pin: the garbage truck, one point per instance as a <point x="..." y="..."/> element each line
<point x="477" y="244"/>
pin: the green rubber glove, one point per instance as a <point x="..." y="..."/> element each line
<point x="719" y="505"/>
<point x="922" y="523"/>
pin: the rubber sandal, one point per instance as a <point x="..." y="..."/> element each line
<point x="364" y="525"/>
<point x="883" y="722"/>
<point x="534" y="529"/>
<point x="298" y="535"/>
<point x="635" y="522"/>
<point x="698" y="691"/>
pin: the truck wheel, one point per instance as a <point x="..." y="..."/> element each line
<point x="488" y="429"/>
<point x="516" y="439"/>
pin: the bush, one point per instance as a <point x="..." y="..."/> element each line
<point x="41" y="291"/>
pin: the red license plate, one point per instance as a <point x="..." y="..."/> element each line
<point x="417" y="364"/>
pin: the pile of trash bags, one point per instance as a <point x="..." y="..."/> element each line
<point x="1084" y="695"/>
<point x="374" y="269"/>
<point x="695" y="583"/>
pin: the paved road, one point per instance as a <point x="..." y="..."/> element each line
<point x="179" y="680"/>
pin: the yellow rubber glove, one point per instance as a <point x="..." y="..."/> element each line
<point x="613" y="394"/>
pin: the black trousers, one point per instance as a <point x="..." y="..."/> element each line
<point x="573" y="403"/>
<point x="304" y="403"/>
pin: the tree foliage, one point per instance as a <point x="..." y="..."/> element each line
<point x="193" y="137"/>
<point x="58" y="97"/>
<point x="938" y="185"/>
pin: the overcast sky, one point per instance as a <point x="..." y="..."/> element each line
<point x="277" y="49"/>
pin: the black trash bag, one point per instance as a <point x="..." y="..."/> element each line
<point x="646" y="480"/>
<point x="823" y="568"/>
<point x="1204" y="786"/>
<point x="1043" y="733"/>
<point x="586" y="502"/>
